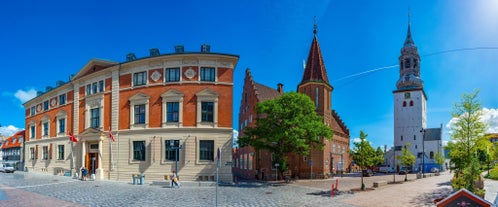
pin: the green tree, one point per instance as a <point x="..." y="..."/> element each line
<point x="467" y="134"/>
<point x="439" y="158"/>
<point x="379" y="156"/>
<point x="287" y="124"/>
<point x="406" y="158"/>
<point x="364" y="155"/>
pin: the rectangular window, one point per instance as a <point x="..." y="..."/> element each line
<point x="101" y="86"/>
<point x="207" y="111"/>
<point x="172" y="74"/>
<point x="171" y="151"/>
<point x="62" y="125"/>
<point x="62" y="99"/>
<point x="173" y="113"/>
<point x="32" y="153"/>
<point x="139" y="78"/>
<point x="45" y="105"/>
<point x="208" y="74"/>
<point x="95" y="118"/>
<point x="139" y="150"/>
<point x="32" y="132"/>
<point x="45" y="153"/>
<point x="206" y="150"/>
<point x="94" y="88"/>
<point x="60" y="152"/>
<point x="45" y="129"/>
<point x="88" y="89"/>
<point x="140" y="114"/>
<point x="33" y="110"/>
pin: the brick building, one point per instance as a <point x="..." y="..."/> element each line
<point x="334" y="158"/>
<point x="165" y="111"/>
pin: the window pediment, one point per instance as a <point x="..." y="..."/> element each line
<point x="61" y="113"/>
<point x="207" y="93"/>
<point x="172" y="93"/>
<point x="138" y="97"/>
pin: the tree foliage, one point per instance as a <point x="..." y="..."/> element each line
<point x="439" y="158"/>
<point x="287" y="124"/>
<point x="468" y="140"/>
<point x="379" y="156"/>
<point x="407" y="159"/>
<point x="364" y="154"/>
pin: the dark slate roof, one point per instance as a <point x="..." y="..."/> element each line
<point x="338" y="125"/>
<point x="315" y="67"/>
<point x="433" y="134"/>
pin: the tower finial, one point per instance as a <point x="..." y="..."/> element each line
<point x="409" y="15"/>
<point x="315" y="26"/>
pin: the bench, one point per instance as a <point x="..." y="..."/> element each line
<point x="379" y="183"/>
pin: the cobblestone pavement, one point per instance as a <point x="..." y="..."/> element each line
<point x="29" y="189"/>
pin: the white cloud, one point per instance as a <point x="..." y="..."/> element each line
<point x="489" y="117"/>
<point x="24" y="96"/>
<point x="356" y="140"/>
<point x="9" y="130"/>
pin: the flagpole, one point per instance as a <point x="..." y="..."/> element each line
<point x="72" y="157"/>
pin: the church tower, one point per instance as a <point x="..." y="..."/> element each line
<point x="409" y="102"/>
<point x="334" y="158"/>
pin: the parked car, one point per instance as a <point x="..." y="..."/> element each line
<point x="386" y="169"/>
<point x="367" y="173"/>
<point x="434" y="170"/>
<point x="6" y="168"/>
<point x="403" y="172"/>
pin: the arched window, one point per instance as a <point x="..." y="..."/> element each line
<point x="404" y="103"/>
<point x="407" y="63"/>
<point x="431" y="155"/>
<point x="411" y="103"/>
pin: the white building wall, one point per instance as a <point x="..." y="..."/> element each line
<point x="409" y="120"/>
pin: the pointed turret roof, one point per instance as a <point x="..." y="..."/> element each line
<point x="315" y="67"/>
<point x="409" y="41"/>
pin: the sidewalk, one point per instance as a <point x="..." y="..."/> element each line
<point x="491" y="188"/>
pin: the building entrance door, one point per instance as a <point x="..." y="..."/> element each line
<point x="92" y="162"/>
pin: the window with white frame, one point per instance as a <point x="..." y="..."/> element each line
<point x="33" y="110"/>
<point x="32" y="153"/>
<point x="32" y="131"/>
<point x="206" y="150"/>
<point x="139" y="150"/>
<point x="101" y="86"/>
<point x="172" y="147"/>
<point x="45" y="105"/>
<point x="45" y="152"/>
<point x="45" y="126"/>
<point x="208" y="74"/>
<point x="62" y="99"/>
<point x="95" y="118"/>
<point x="172" y="74"/>
<point x="172" y="108"/>
<point x="61" y="123"/>
<point x="60" y="152"/>
<point x="139" y="110"/>
<point x="140" y="78"/>
<point x="88" y="89"/>
<point x="207" y="108"/>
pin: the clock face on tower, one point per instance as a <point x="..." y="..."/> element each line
<point x="407" y="95"/>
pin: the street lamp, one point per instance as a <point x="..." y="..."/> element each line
<point x="176" y="148"/>
<point x="423" y="151"/>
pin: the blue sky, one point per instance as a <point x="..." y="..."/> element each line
<point x="43" y="42"/>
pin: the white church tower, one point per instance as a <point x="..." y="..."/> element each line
<point x="410" y="119"/>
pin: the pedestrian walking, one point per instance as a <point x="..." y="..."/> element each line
<point x="174" y="180"/>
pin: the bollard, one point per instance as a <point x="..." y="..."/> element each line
<point x="134" y="179"/>
<point x="332" y="191"/>
<point x="336" y="183"/>
<point x="142" y="179"/>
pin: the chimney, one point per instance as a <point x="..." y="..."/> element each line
<point x="179" y="49"/>
<point x="59" y="83"/>
<point x="154" y="52"/>
<point x="48" y="88"/>
<point x="205" y="48"/>
<point x="280" y="88"/>
<point x="130" y="57"/>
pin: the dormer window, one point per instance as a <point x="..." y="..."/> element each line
<point x="407" y="63"/>
<point x="415" y="63"/>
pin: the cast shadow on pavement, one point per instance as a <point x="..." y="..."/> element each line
<point x="427" y="199"/>
<point x="327" y="193"/>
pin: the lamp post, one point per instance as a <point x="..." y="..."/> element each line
<point x="423" y="151"/>
<point x="176" y="148"/>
